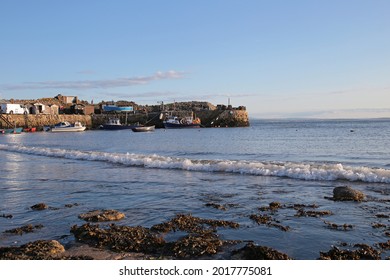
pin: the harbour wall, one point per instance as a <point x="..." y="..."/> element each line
<point x="41" y="120"/>
<point x="209" y="118"/>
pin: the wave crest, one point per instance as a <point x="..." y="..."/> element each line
<point x="302" y="171"/>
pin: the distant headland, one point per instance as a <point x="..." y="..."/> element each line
<point x="49" y="111"/>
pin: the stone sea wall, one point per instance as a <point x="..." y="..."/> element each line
<point x="41" y="120"/>
<point x="209" y="118"/>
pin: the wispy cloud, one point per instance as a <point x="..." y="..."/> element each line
<point x="142" y="95"/>
<point x="93" y="84"/>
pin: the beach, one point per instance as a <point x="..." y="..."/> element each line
<point x="266" y="188"/>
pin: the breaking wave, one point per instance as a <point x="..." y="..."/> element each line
<point x="303" y="171"/>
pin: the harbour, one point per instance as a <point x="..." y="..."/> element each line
<point x="48" y="112"/>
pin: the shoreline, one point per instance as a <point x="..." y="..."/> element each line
<point x="100" y="238"/>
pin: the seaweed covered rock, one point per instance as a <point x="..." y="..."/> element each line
<point x="197" y="244"/>
<point x="216" y="206"/>
<point x="39" y="206"/>
<point x="102" y="216"/>
<point x="37" y="250"/>
<point x="7" y="216"/>
<point x="261" y="219"/>
<point x="364" y="252"/>
<point x="303" y="213"/>
<point x="384" y="245"/>
<point x="254" y="252"/>
<point x="347" y="194"/>
<point x="119" y="238"/>
<point x="275" y="205"/>
<point x="189" y="223"/>
<point x="24" y="229"/>
<point x="201" y="240"/>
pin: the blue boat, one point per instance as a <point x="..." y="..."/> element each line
<point x="117" y="109"/>
<point x="16" y="130"/>
<point x="115" y="124"/>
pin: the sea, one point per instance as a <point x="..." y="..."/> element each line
<point x="214" y="173"/>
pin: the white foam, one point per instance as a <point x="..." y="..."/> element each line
<point x="303" y="171"/>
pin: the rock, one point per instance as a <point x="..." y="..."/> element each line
<point x="384" y="245"/>
<point x="39" y="206"/>
<point x="303" y="213"/>
<point x="274" y="205"/>
<point x="254" y="252"/>
<point x="24" y="229"/>
<point x="7" y="216"/>
<point x="195" y="245"/>
<point x="192" y="224"/>
<point x="364" y="252"/>
<point x="37" y="250"/>
<point x="71" y="205"/>
<point x="269" y="221"/>
<point x="216" y="206"/>
<point x="119" y="238"/>
<point x="347" y="193"/>
<point x="102" y="216"/>
<point x="338" y="227"/>
<point x="260" y="219"/>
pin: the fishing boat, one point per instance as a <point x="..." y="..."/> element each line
<point x="67" y="127"/>
<point x="115" y="124"/>
<point x="16" y="130"/>
<point x="30" y="129"/>
<point x="143" y="128"/>
<point x="185" y="122"/>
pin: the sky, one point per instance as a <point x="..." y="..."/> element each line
<point x="279" y="58"/>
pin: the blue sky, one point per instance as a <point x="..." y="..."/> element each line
<point x="279" y="58"/>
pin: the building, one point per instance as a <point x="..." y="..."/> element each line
<point x="40" y="108"/>
<point x="82" y="109"/>
<point x="67" y="99"/>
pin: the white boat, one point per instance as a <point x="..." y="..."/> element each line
<point x="67" y="127"/>
<point x="186" y="122"/>
<point x="143" y="128"/>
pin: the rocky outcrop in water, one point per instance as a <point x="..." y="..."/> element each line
<point x="347" y="193"/>
<point x="39" y="206"/>
<point x="102" y="216"/>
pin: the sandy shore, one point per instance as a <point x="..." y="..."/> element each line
<point x="100" y="238"/>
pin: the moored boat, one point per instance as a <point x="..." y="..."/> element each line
<point x="15" y="130"/>
<point x="115" y="124"/>
<point x="186" y="122"/>
<point x="143" y="128"/>
<point x="30" y="129"/>
<point x="67" y="127"/>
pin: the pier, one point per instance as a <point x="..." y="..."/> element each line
<point x="209" y="118"/>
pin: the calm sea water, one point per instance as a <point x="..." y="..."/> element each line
<point x="153" y="176"/>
